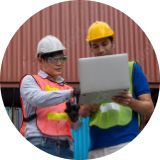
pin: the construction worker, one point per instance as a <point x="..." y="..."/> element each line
<point x="113" y="129"/>
<point x="48" y="111"/>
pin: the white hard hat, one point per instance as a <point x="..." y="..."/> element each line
<point x="49" y="44"/>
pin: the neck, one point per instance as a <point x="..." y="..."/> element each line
<point x="54" y="78"/>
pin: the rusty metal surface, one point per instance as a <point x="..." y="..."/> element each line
<point x="69" y="21"/>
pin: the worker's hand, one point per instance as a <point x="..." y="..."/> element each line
<point x="124" y="99"/>
<point x="72" y="110"/>
<point x="75" y="92"/>
<point x="88" y="110"/>
<point x="94" y="108"/>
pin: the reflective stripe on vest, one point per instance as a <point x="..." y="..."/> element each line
<point x="113" y="114"/>
<point x="57" y="116"/>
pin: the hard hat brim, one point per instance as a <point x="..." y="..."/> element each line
<point x="42" y="53"/>
<point x="89" y="40"/>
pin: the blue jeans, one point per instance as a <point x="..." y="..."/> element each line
<point x="54" y="147"/>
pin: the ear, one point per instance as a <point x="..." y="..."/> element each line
<point x="90" y="46"/>
<point x="113" y="43"/>
<point x="40" y="60"/>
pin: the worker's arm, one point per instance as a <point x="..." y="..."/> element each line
<point x="88" y="110"/>
<point x="143" y="104"/>
<point x="32" y="93"/>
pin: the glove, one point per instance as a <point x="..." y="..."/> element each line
<point x="76" y="92"/>
<point x="72" y="110"/>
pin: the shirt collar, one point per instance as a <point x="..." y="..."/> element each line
<point x="45" y="75"/>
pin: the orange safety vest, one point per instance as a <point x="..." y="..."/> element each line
<point x="51" y="121"/>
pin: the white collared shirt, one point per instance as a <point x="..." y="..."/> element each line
<point x="33" y="96"/>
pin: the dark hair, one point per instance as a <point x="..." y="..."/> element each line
<point x="50" y="54"/>
<point x="111" y="39"/>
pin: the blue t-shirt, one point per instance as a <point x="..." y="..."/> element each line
<point x="120" y="134"/>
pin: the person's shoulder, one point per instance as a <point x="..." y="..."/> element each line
<point x="137" y="66"/>
<point x="27" y="76"/>
<point x="137" y="69"/>
<point x="140" y="82"/>
<point x="27" y="79"/>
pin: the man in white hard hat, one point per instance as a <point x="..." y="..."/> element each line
<point x="47" y="102"/>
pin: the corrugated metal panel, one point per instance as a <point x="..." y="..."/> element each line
<point x="158" y="67"/>
<point x="116" y="29"/>
<point x="136" y="34"/>
<point x="18" y="120"/>
<point x="153" y="79"/>
<point x="69" y="21"/>
<point x="157" y="63"/>
<point x="6" y="133"/>
<point x="141" y="51"/>
<point x="81" y="140"/>
<point x="131" y="30"/>
<point x="147" y="58"/>
<point x="127" y="35"/>
<point x="149" y="67"/>
<point x="14" y="133"/>
<point x="21" y="143"/>
<point x="10" y="134"/>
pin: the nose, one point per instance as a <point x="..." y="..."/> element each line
<point x="58" y="62"/>
<point x="101" y="49"/>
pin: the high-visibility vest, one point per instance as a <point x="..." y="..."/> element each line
<point x="51" y="121"/>
<point x="112" y="114"/>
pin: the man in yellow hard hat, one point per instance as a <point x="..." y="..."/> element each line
<point x="119" y="127"/>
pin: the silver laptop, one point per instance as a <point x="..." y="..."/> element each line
<point x="103" y="77"/>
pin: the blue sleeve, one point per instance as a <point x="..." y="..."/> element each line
<point x="140" y="82"/>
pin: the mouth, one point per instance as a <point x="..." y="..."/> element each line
<point x="102" y="54"/>
<point x="58" y="69"/>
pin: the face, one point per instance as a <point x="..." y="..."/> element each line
<point x="53" y="69"/>
<point x="102" y="47"/>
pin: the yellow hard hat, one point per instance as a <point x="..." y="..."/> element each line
<point x="99" y="30"/>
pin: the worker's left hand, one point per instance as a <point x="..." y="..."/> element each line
<point x="75" y="92"/>
<point x="124" y="99"/>
<point x="72" y="110"/>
